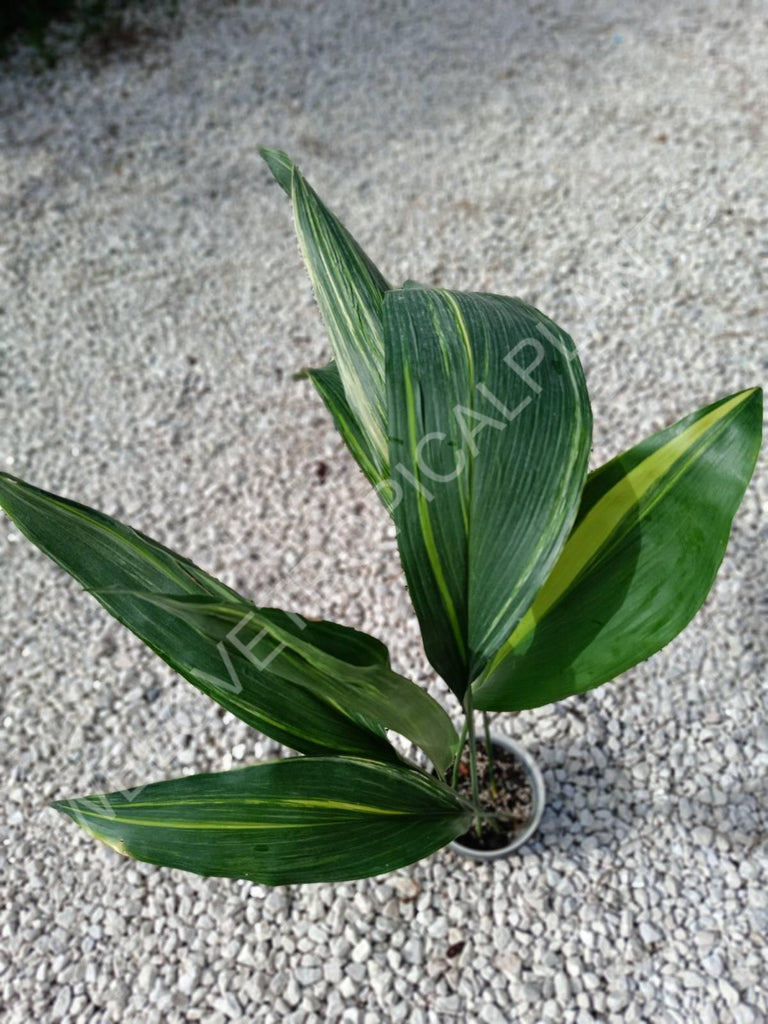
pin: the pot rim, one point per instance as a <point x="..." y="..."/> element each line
<point x="538" y="799"/>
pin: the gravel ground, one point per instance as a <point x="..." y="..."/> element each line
<point x="605" y="165"/>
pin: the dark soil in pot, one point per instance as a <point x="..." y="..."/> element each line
<point x="511" y="799"/>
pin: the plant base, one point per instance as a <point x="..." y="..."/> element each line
<point x="518" y="798"/>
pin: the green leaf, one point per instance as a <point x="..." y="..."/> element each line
<point x="350" y="291"/>
<point x="304" y="819"/>
<point x="490" y="430"/>
<point x="651" y="532"/>
<point x="281" y="166"/>
<point x="346" y="667"/>
<point x="327" y="382"/>
<point x="121" y="566"/>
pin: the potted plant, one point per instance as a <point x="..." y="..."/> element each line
<point x="510" y="785"/>
<point x="531" y="578"/>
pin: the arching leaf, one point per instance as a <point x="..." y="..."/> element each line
<point x="121" y="567"/>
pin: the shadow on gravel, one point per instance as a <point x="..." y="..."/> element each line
<point x="608" y="807"/>
<point x="101" y="27"/>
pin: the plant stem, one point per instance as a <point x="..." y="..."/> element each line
<point x="489" y="755"/>
<point x="459" y="752"/>
<point x="470" y="713"/>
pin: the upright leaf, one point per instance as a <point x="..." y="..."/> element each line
<point x="304" y="819"/>
<point x="489" y="438"/>
<point x="121" y="567"/>
<point x="650" y="535"/>
<point x="350" y="291"/>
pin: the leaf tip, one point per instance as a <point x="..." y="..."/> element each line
<point x="72" y="809"/>
<point x="281" y="166"/>
<point x="757" y="393"/>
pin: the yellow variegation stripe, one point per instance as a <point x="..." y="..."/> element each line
<point x="426" y="523"/>
<point x="192" y="826"/>
<point x="603" y="521"/>
<point x="464" y="484"/>
<point x="463" y="334"/>
<point x="271" y="802"/>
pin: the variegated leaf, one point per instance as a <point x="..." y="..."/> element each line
<point x="304" y="819"/>
<point x="650" y="535"/>
<point x="350" y="291"/>
<point x="490" y="430"/>
<point x="121" y="567"/>
<point x="336" y="663"/>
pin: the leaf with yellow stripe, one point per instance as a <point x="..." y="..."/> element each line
<point x="350" y="291"/>
<point x="122" y="568"/>
<point x="651" y="532"/>
<point x="490" y="430"/>
<point x="338" y="664"/>
<point x="304" y="819"/>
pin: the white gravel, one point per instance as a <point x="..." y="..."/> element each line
<point x="604" y="161"/>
